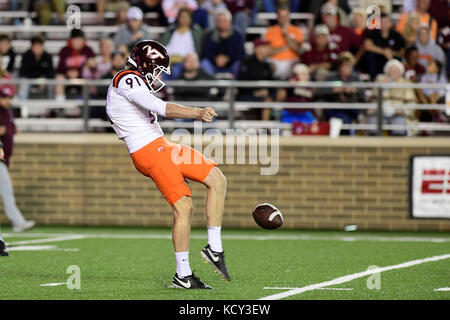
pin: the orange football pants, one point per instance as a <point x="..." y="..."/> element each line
<point x="168" y="164"/>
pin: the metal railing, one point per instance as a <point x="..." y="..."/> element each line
<point x="229" y="104"/>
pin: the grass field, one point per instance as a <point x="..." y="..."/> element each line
<point x="138" y="263"/>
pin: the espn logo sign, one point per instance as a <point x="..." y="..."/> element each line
<point x="430" y="186"/>
<point x="436" y="181"/>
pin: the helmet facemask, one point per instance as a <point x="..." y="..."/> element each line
<point x="154" y="79"/>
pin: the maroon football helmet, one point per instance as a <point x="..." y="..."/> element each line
<point x="151" y="59"/>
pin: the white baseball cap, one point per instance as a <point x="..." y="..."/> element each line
<point x="328" y="8"/>
<point x="134" y="13"/>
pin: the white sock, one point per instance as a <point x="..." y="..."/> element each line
<point x="183" y="267"/>
<point x="214" y="239"/>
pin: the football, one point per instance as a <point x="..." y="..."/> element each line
<point x="267" y="216"/>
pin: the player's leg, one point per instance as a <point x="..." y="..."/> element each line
<point x="184" y="278"/>
<point x="155" y="161"/>
<point x="9" y="202"/>
<point x="206" y="172"/>
<point x="216" y="185"/>
<point x="181" y="229"/>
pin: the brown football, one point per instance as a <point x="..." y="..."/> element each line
<point x="267" y="216"/>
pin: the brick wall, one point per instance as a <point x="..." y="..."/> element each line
<point x="322" y="184"/>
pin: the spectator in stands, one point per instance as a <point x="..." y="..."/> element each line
<point x="242" y="14"/>
<point x="181" y="39"/>
<point x="345" y="73"/>
<point x="344" y="37"/>
<point x="7" y="132"/>
<point x="358" y="22"/>
<point x="191" y="72"/>
<point x="5" y="75"/>
<point x="382" y="45"/>
<point x="153" y="6"/>
<point x="285" y="40"/>
<point x="254" y="68"/>
<point x="36" y="63"/>
<point x="394" y="73"/>
<point x="314" y="7"/>
<point x="386" y="5"/>
<point x="124" y="49"/>
<point x="322" y="55"/>
<point x="171" y="8"/>
<point x="271" y="5"/>
<point x="439" y="11"/>
<point x="223" y="48"/>
<point x="213" y="7"/>
<point x="118" y="60"/>
<point x="411" y="29"/>
<point x="413" y="69"/>
<point x="71" y="61"/>
<point x="8" y="56"/>
<point x="424" y="16"/>
<point x="45" y="8"/>
<point x="132" y="31"/>
<point x="120" y="7"/>
<point x="444" y="42"/>
<point x="428" y="49"/>
<point x="434" y="74"/>
<point x="104" y="58"/>
<point x="299" y="94"/>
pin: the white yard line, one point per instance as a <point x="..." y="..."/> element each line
<point x="442" y="289"/>
<point x="45" y="240"/>
<point x="290" y="288"/>
<point x="53" y="284"/>
<point x="351" y="277"/>
<point x="41" y="248"/>
<point x="76" y="236"/>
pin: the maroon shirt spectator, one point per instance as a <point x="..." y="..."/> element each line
<point x="7" y="126"/>
<point x="74" y="55"/>
<point x="344" y="37"/>
<point x="413" y="69"/>
<point x="239" y="5"/>
<point x="323" y="54"/>
<point x="439" y="11"/>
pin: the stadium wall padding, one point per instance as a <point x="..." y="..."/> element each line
<point x="322" y="183"/>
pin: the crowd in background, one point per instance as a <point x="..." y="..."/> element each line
<point x="206" y="40"/>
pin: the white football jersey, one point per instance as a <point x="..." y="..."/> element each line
<point x="132" y="110"/>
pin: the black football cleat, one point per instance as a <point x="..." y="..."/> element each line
<point x="217" y="260"/>
<point x="189" y="282"/>
<point x="3" y="251"/>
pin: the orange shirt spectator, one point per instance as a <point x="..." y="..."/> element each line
<point x="424" y="16"/>
<point x="277" y="40"/>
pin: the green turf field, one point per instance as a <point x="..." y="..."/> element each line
<point x="138" y="263"/>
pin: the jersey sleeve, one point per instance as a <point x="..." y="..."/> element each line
<point x="132" y="87"/>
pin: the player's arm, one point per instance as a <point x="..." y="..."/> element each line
<point x="132" y="88"/>
<point x="174" y="110"/>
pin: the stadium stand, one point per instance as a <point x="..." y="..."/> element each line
<point x="326" y="92"/>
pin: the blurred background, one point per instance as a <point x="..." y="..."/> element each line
<point x="308" y="68"/>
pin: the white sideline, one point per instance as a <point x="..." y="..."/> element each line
<point x="351" y="277"/>
<point x="290" y="288"/>
<point x="69" y="236"/>
<point x="442" y="289"/>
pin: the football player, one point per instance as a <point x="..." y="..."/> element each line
<point x="3" y="251"/>
<point x="132" y="109"/>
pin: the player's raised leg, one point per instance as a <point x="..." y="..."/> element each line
<point x="184" y="278"/>
<point x="216" y="184"/>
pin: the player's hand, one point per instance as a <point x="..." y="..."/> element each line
<point x="2" y="154"/>
<point x="207" y="114"/>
